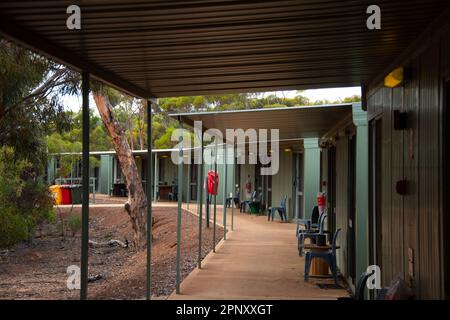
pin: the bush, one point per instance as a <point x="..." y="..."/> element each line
<point x="74" y="223"/>
<point x="24" y="199"/>
<point x="13" y="227"/>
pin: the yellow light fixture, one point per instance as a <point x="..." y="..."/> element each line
<point x="287" y="150"/>
<point x="395" y="78"/>
<point x="164" y="156"/>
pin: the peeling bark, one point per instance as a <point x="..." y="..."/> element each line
<point x="137" y="202"/>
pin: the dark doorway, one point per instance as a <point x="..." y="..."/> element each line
<point x="331" y="194"/>
<point x="351" y="194"/>
<point x="298" y="185"/>
<point x="446" y="188"/>
<point x="267" y="191"/>
<point x="193" y="183"/>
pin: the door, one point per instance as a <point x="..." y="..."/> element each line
<point x="193" y="181"/>
<point x="267" y="191"/>
<point x="298" y="185"/>
<point x="331" y="195"/>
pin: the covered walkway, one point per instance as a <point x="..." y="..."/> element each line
<point x="259" y="260"/>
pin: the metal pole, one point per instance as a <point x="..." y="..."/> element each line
<point x="149" y="199"/>
<point x="93" y="189"/>
<point x="85" y="189"/>
<point x="215" y="197"/>
<point x="200" y="202"/>
<point x="234" y="189"/>
<point x="156" y="179"/>
<point x="188" y="191"/>
<point x="180" y="197"/>
<point x="224" y="211"/>
<point x="208" y="204"/>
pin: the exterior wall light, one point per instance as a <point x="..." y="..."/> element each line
<point x="395" y="78"/>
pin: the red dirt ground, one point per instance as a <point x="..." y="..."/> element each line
<point x="38" y="270"/>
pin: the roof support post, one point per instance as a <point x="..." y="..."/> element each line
<point x="207" y="197"/>
<point x="156" y="179"/>
<point x="149" y="199"/>
<point x="233" y="195"/>
<point x="180" y="202"/>
<point x="215" y="196"/>
<point x="225" y="173"/>
<point x="85" y="187"/>
<point x="188" y="191"/>
<point x="200" y="198"/>
<point x="311" y="175"/>
<point x="362" y="189"/>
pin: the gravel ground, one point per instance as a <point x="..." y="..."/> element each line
<point x="37" y="270"/>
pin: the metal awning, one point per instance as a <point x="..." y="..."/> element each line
<point x="294" y="123"/>
<point x="173" y="48"/>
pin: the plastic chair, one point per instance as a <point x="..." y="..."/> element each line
<point x="309" y="223"/>
<point x="281" y="210"/>
<point x="311" y="233"/>
<point x="329" y="256"/>
<point x="359" y="292"/>
<point x="235" y="199"/>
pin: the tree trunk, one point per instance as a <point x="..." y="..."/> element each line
<point x="137" y="202"/>
<point x="141" y="121"/>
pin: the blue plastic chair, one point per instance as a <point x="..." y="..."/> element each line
<point x="281" y="210"/>
<point x="311" y="233"/>
<point x="235" y="199"/>
<point x="309" y="223"/>
<point x="360" y="287"/>
<point x="329" y="256"/>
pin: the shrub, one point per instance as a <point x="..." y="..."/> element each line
<point x="24" y="199"/>
<point x="13" y="227"/>
<point x="74" y="223"/>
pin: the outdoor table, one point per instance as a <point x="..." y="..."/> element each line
<point x="319" y="267"/>
<point x="164" y="191"/>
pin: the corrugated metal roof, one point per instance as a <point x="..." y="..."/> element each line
<point x="293" y="122"/>
<point x="172" y="48"/>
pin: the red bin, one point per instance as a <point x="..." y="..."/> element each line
<point x="66" y="194"/>
<point x="212" y="178"/>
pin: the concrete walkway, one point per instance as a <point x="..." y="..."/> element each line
<point x="259" y="260"/>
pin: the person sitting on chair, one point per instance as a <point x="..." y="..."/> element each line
<point x="174" y="194"/>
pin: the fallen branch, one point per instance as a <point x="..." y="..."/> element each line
<point x="110" y="243"/>
<point x="95" y="277"/>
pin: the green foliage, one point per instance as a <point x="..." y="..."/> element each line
<point x="13" y="227"/>
<point x="24" y="199"/>
<point x="31" y="88"/>
<point x="131" y="114"/>
<point x="69" y="141"/>
<point x="74" y="223"/>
